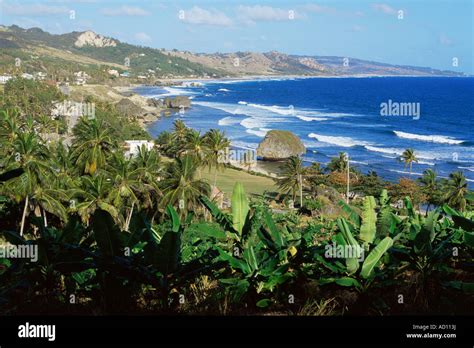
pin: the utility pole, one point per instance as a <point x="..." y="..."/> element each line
<point x="348" y="179"/>
<point x="301" y="189"/>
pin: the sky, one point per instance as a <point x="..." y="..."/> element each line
<point x="431" y="33"/>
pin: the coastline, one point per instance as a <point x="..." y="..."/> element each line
<point x="115" y="93"/>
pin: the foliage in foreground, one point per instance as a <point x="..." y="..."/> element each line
<point x="245" y="262"/>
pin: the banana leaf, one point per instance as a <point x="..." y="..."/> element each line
<point x="374" y="257"/>
<point x="240" y="207"/>
<point x="369" y="219"/>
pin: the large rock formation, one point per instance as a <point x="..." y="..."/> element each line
<point x="279" y="144"/>
<point x="89" y="38"/>
<point x="177" y="102"/>
<point x="129" y="108"/>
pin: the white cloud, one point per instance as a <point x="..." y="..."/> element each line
<point x="143" y="37"/>
<point x="125" y="11"/>
<point x="33" y="10"/>
<point x="200" y="16"/>
<point x="384" y="8"/>
<point x="318" y="8"/>
<point x="252" y="14"/>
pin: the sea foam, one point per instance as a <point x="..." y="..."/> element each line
<point x="440" y="139"/>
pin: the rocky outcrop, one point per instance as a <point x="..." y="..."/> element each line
<point x="156" y="103"/>
<point x="279" y="144"/>
<point x="129" y="108"/>
<point x="89" y="38"/>
<point x="177" y="102"/>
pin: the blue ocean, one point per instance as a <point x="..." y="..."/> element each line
<point x="331" y="115"/>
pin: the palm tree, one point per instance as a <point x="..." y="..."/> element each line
<point x="338" y="164"/>
<point x="9" y="127"/>
<point x="150" y="172"/>
<point x="292" y="177"/>
<point x="91" y="194"/>
<point x="216" y="143"/>
<point x="92" y="145"/>
<point x="181" y="186"/>
<point x="195" y="145"/>
<point x="30" y="154"/>
<point x="179" y="134"/>
<point x="126" y="185"/>
<point x="456" y="190"/>
<point x="430" y="186"/>
<point x="408" y="156"/>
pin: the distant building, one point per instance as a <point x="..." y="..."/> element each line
<point x="132" y="147"/>
<point x="27" y="76"/>
<point x="4" y="79"/>
<point x="40" y="75"/>
<point x="81" y="77"/>
<point x="113" y="72"/>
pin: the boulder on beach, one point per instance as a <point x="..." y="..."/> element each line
<point x="156" y="103"/>
<point x="279" y="144"/>
<point x="129" y="108"/>
<point x="178" y="102"/>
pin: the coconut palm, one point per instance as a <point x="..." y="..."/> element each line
<point x="31" y="155"/>
<point x="179" y="134"/>
<point x="126" y="185"/>
<point x="430" y="186"/>
<point x="181" y="187"/>
<point x="338" y="164"/>
<point x="195" y="145"/>
<point x="62" y="164"/>
<point x="9" y="126"/>
<point x="408" y="156"/>
<point x="150" y="172"/>
<point x="292" y="177"/>
<point x="91" y="194"/>
<point x="456" y="190"/>
<point x="92" y="145"/>
<point x="216" y="143"/>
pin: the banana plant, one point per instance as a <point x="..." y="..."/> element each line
<point x="365" y="229"/>
<point x="259" y="252"/>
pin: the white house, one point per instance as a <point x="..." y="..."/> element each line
<point x="113" y="72"/>
<point x="27" y="76"/>
<point x="132" y="147"/>
<point x="81" y="77"/>
<point x="40" y="75"/>
<point x="4" y="79"/>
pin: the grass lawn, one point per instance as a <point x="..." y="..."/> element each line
<point x="228" y="177"/>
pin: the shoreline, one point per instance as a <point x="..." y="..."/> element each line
<point x="116" y="93"/>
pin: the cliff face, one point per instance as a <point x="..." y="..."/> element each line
<point x="146" y="61"/>
<point x="89" y="38"/>
<point x="278" y="145"/>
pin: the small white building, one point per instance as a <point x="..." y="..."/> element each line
<point x="4" y="79"/>
<point x="27" y="76"/>
<point x="40" y="75"/>
<point x="113" y="72"/>
<point x="81" y="77"/>
<point x="132" y="147"/>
